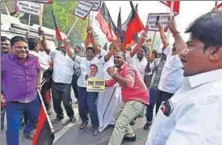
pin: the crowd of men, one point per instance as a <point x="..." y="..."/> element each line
<point x="182" y="83"/>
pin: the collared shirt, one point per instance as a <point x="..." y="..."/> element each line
<point x="172" y="74"/>
<point x="19" y="81"/>
<point x="136" y="89"/>
<point x="63" y="67"/>
<point x="85" y="67"/>
<point x="196" y="117"/>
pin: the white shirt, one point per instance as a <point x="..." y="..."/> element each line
<point x="172" y="74"/>
<point x="44" y="65"/>
<point x="63" y="67"/>
<point x="139" y="65"/>
<point x="85" y="67"/>
<point x="196" y="118"/>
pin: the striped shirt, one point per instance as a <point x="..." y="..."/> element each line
<point x="136" y="89"/>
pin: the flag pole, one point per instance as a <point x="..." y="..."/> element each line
<point x="44" y="109"/>
<point x="73" y="25"/>
<point x="216" y="3"/>
<point x="41" y="16"/>
<point x="29" y="22"/>
<point x="171" y="16"/>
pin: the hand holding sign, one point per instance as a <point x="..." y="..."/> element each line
<point x="172" y="26"/>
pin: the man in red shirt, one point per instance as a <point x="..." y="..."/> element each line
<point x="134" y="96"/>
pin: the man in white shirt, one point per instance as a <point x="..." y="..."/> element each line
<point x="63" y="69"/>
<point x="193" y="116"/>
<point x="139" y="61"/>
<point x="172" y="73"/>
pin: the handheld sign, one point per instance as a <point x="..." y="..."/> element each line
<point x="95" y="85"/>
<point x="83" y="9"/>
<point x="153" y="18"/>
<point x="96" y="5"/>
<point x="28" y="7"/>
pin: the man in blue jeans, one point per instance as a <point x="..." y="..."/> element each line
<point x="20" y="80"/>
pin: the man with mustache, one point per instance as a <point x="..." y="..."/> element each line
<point x="5" y="48"/>
<point x="20" y="73"/>
<point x="134" y="96"/>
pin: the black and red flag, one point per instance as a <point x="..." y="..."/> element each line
<point x="58" y="33"/>
<point x="44" y="134"/>
<point x="106" y="23"/>
<point x="133" y="27"/>
<point x="176" y="5"/>
<point x="119" y="30"/>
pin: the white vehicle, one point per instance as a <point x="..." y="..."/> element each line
<point x="12" y="26"/>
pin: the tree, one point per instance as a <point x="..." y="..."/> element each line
<point x="63" y="11"/>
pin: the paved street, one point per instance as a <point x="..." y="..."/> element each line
<point x="69" y="133"/>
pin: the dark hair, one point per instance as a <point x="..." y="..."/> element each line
<point x="122" y="53"/>
<point x="207" y="29"/>
<point x="78" y="47"/>
<point x="18" y="39"/>
<point x="32" y="42"/>
<point x="145" y="48"/>
<point x="91" y="48"/>
<point x="155" y="53"/>
<point x="94" y="65"/>
<point x="4" y="38"/>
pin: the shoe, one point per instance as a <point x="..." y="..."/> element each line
<point x="28" y="136"/>
<point x="73" y="120"/>
<point x="83" y="125"/>
<point x="147" y="126"/>
<point x="95" y="132"/>
<point x="57" y="120"/>
<point x="132" y="122"/>
<point x="126" y="138"/>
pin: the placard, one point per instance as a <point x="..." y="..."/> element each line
<point x="28" y="7"/>
<point x="82" y="9"/>
<point x="163" y="18"/>
<point x="96" y="5"/>
<point x="95" y="85"/>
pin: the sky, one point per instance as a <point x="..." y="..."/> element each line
<point x="189" y="11"/>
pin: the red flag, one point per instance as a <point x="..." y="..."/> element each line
<point x="44" y="134"/>
<point x="106" y="23"/>
<point x="58" y="33"/>
<point x="134" y="26"/>
<point x="219" y="6"/>
<point x="176" y="6"/>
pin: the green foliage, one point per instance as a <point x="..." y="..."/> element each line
<point x="63" y="11"/>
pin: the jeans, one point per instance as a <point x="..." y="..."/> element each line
<point x="149" y="108"/>
<point x="14" y="112"/>
<point x="87" y="104"/>
<point x="162" y="96"/>
<point x="75" y="86"/>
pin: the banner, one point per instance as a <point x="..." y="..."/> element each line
<point x="96" y="5"/>
<point x="83" y="9"/>
<point x="95" y="85"/>
<point x="28" y="7"/>
<point x="163" y="18"/>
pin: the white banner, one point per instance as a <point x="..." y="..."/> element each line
<point x="163" y="18"/>
<point x="28" y="7"/>
<point x="83" y="9"/>
<point x="96" y="5"/>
